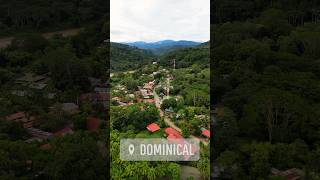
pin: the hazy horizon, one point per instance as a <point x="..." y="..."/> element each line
<point x="156" y="20"/>
<point x="161" y="40"/>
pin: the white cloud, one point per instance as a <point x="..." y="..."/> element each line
<point x="154" y="20"/>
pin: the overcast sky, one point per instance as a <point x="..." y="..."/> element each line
<point x="154" y="20"/>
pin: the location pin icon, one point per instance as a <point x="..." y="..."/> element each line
<point x="131" y="149"/>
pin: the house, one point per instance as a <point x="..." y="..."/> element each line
<point x="68" y="129"/>
<point x="172" y="133"/>
<point x="33" y="81"/>
<point x="144" y="93"/>
<point x="29" y="78"/>
<point x="153" y="127"/>
<point x="155" y="73"/>
<point x="93" y="123"/>
<point x="175" y="137"/>
<point x="22" y="118"/>
<point x="149" y="85"/>
<point x="205" y="132"/>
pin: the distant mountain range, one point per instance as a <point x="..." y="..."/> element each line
<point x="161" y="47"/>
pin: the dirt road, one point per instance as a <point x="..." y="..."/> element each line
<point x="5" y="42"/>
<point x="168" y="121"/>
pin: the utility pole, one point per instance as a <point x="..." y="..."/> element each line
<point x="174" y="64"/>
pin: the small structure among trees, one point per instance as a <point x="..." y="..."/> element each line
<point x="153" y="127"/>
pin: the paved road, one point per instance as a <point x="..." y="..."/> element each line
<point x="5" y="42"/>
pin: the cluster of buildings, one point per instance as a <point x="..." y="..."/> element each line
<point x="147" y="90"/>
<point x="28" y="123"/>
<point x="31" y="81"/>
<point x="100" y="94"/>
<point x="172" y="133"/>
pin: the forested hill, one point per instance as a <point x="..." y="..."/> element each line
<point x="186" y="57"/>
<point x="266" y="76"/>
<point x="165" y="46"/>
<point x="296" y="12"/>
<point x="31" y="15"/>
<point x="124" y="57"/>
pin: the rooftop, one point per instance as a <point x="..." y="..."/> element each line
<point x="206" y="133"/>
<point x="172" y="133"/>
<point x="153" y="127"/>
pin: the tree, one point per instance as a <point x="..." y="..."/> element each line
<point x="68" y="72"/>
<point x="82" y="151"/>
<point x="80" y="121"/>
<point x="230" y="161"/>
<point x="185" y="130"/>
<point x="13" y="129"/>
<point x="278" y="111"/>
<point x="167" y="103"/>
<point x="5" y="76"/>
<point x="131" y="84"/>
<point x="133" y="116"/>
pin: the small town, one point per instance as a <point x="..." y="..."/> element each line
<point x="157" y="92"/>
<point x="145" y="103"/>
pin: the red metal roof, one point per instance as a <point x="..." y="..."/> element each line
<point x="153" y="127"/>
<point x="172" y="133"/>
<point x="93" y="124"/>
<point x="206" y="133"/>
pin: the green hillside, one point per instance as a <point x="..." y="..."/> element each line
<point x="187" y="57"/>
<point x="124" y="57"/>
<point x="266" y="88"/>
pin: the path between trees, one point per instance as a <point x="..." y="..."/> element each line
<point x="6" y="41"/>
